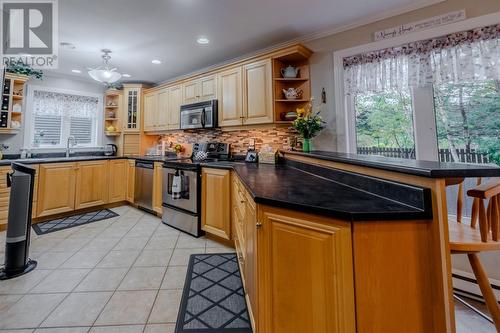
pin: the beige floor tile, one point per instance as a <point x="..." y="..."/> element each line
<point x="30" y="311"/>
<point x="152" y="258"/>
<point x="160" y="328"/>
<point x="63" y="330"/>
<point x="24" y="283"/>
<point x="17" y="331"/>
<point x="166" y="307"/>
<point x="74" y="244"/>
<point x="141" y="231"/>
<point x="83" y="259"/>
<point x="116" y="259"/>
<point x="131" y="243"/>
<point x="174" y="278"/>
<point x="51" y="260"/>
<point x="115" y="231"/>
<point x="88" y="232"/>
<point x="164" y="230"/>
<point x="78" y="309"/>
<point x="220" y="250"/>
<point x="190" y="242"/>
<point x="127" y="308"/>
<point x="102" y="279"/>
<point x="118" y="329"/>
<point x="181" y="256"/>
<point x="6" y="301"/>
<point x="100" y="244"/>
<point x="61" y="280"/>
<point x="43" y="244"/>
<point x="161" y="243"/>
<point x="143" y="278"/>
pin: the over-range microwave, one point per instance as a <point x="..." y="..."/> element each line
<point x="199" y="115"/>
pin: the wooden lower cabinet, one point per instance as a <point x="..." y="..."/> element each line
<point x="130" y="181"/>
<point x="216" y="202"/>
<point x="56" y="188"/>
<point x="118" y="172"/>
<point x="4" y="196"/>
<point x="91" y="184"/>
<point x="157" y="187"/>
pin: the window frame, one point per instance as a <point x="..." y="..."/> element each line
<point x="424" y="119"/>
<point x="30" y="120"/>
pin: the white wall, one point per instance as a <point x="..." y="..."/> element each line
<point x="16" y="142"/>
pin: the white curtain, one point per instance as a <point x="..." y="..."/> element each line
<point x="461" y="57"/>
<point x="46" y="103"/>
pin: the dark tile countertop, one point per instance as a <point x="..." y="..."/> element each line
<point x="331" y="193"/>
<point x="81" y="159"/>
<point x="429" y="169"/>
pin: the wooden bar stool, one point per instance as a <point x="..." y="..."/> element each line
<point x="465" y="239"/>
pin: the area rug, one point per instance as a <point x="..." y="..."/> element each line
<point x="72" y="221"/>
<point x="213" y="299"/>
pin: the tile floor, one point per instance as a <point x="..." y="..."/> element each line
<point x="121" y="275"/>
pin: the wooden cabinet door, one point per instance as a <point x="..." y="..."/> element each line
<point x="174" y="106"/>
<point x="56" y="188"/>
<point x="157" y="188"/>
<point x="131" y="144"/>
<point x="118" y="171"/>
<point x="258" y="93"/>
<point x="250" y="269"/>
<point x="163" y="112"/>
<point x="230" y="97"/>
<point x="4" y="196"/>
<point x="132" y="109"/>
<point x="91" y="184"/>
<point x="130" y="180"/>
<point x="208" y="88"/>
<point x="150" y="112"/>
<point x="191" y="93"/>
<point x="305" y="273"/>
<point x="216" y="202"/>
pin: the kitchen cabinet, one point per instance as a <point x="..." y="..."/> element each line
<point x="131" y="144"/>
<point x="230" y="97"/>
<point x="163" y="116"/>
<point x="199" y="90"/>
<point x="4" y="196"/>
<point x="216" y="202"/>
<point x="258" y="93"/>
<point x="132" y="108"/>
<point x="91" y="184"/>
<point x="305" y="273"/>
<point x="174" y="106"/>
<point x="151" y="114"/>
<point x="118" y="172"/>
<point x="56" y="188"/>
<point x="130" y="180"/>
<point x="157" y="187"/>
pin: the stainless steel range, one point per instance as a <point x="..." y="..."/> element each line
<point x="182" y="187"/>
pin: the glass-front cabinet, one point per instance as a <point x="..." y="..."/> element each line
<point x="133" y="107"/>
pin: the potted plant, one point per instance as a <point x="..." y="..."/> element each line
<point x="308" y="124"/>
<point x="23" y="69"/>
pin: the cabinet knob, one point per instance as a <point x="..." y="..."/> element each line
<point x="242" y="201"/>
<point x="258" y="224"/>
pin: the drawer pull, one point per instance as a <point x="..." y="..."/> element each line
<point x="258" y="224"/>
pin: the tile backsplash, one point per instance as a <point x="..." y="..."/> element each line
<point x="278" y="138"/>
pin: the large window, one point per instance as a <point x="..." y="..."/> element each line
<point x="430" y="99"/>
<point x="60" y="115"/>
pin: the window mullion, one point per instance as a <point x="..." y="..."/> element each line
<point x="424" y="124"/>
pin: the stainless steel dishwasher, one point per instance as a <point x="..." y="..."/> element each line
<point x="143" y="195"/>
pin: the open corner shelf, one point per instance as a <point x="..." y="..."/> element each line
<point x="112" y="133"/>
<point x="12" y="95"/>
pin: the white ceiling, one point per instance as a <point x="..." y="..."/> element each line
<point x="138" y="31"/>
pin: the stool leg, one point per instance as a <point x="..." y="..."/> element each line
<point x="486" y="290"/>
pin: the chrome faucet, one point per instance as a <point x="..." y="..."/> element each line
<point x="73" y="140"/>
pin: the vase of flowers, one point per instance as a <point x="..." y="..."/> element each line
<point x="308" y="124"/>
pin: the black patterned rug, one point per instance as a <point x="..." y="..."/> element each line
<point x="72" y="221"/>
<point x="213" y="299"/>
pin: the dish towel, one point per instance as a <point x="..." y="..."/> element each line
<point x="176" y="186"/>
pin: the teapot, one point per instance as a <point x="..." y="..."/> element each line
<point x="292" y="93"/>
<point x="290" y="72"/>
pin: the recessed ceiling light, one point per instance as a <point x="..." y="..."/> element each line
<point x="203" y="40"/>
<point x="77" y="71"/>
<point x="126" y="75"/>
<point x="67" y="46"/>
<point x="156" y="61"/>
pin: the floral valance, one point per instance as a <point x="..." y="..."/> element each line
<point x="458" y="57"/>
<point x="60" y="104"/>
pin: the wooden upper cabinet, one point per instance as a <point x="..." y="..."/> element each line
<point x="91" y="184"/>
<point x="151" y="112"/>
<point x="132" y="107"/>
<point x="118" y="172"/>
<point x="163" y="111"/>
<point x="56" y="188"/>
<point x="230" y="97"/>
<point x="258" y="93"/>
<point x="305" y="273"/>
<point x="174" y="106"/>
<point x="207" y="88"/>
<point x="191" y="93"/>
<point x="131" y="144"/>
<point x="130" y="181"/>
<point x="216" y="202"/>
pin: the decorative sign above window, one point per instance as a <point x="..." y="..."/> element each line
<point x="420" y="25"/>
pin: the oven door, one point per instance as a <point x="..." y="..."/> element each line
<point x="188" y="199"/>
